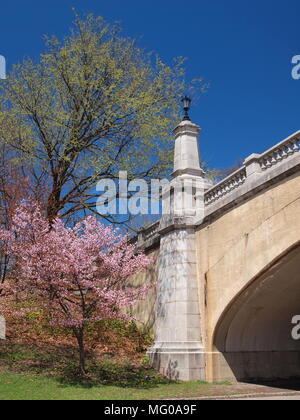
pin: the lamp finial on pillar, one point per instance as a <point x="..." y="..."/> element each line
<point x="186" y="107"/>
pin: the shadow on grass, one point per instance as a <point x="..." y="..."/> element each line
<point x="109" y="373"/>
<point x="61" y="365"/>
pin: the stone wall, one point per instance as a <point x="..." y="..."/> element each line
<point x="144" y="311"/>
<point x="233" y="252"/>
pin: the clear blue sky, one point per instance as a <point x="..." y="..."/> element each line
<point x="243" y="48"/>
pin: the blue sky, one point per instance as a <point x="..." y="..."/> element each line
<point x="242" y="48"/>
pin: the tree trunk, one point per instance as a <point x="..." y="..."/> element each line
<point x="80" y="340"/>
<point x="53" y="203"/>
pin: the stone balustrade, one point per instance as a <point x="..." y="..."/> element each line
<point x="233" y="181"/>
<point x="150" y="231"/>
<point x="258" y="171"/>
<point x="146" y="236"/>
<point x="255" y="164"/>
<point x="280" y="152"/>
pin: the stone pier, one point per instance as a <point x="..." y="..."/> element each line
<point x="178" y="351"/>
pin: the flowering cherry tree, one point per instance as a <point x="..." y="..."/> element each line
<point x="77" y="275"/>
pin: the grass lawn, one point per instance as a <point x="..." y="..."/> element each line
<point x="45" y="367"/>
<point x="30" y="387"/>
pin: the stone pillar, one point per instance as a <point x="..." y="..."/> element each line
<point x="178" y="351"/>
<point x="186" y="156"/>
<point x="253" y="167"/>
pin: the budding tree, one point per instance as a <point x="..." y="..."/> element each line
<point x="93" y="105"/>
<point x="76" y="275"/>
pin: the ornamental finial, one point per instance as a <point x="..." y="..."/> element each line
<point x="186" y="106"/>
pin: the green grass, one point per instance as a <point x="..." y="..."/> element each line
<point x="28" y="372"/>
<point x="31" y="387"/>
<point x="40" y="368"/>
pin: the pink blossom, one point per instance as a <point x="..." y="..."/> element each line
<point x="77" y="275"/>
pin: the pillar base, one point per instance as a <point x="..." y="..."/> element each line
<point x="183" y="361"/>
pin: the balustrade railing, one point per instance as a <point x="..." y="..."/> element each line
<point x="150" y="231"/>
<point x="233" y="181"/>
<point x="280" y="152"/>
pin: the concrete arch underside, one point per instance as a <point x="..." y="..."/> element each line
<point x="253" y="340"/>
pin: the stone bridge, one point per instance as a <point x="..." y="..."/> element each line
<point x="227" y="270"/>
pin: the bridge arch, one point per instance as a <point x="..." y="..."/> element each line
<point x="253" y="334"/>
